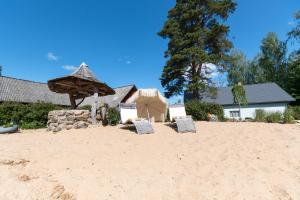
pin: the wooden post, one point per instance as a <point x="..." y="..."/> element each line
<point x="94" y="107"/>
<point x="73" y="101"/>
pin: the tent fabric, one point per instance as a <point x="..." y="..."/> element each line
<point x="128" y="113"/>
<point x="176" y="110"/>
<point x="150" y="102"/>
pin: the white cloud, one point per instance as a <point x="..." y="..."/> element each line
<point x="51" y="56"/>
<point x="210" y="69"/>
<point x="125" y="59"/>
<point x="69" y="67"/>
<point x="291" y="23"/>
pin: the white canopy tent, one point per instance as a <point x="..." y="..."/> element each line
<point x="150" y="104"/>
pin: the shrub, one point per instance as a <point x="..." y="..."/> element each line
<point x="28" y="116"/>
<point x="11" y="112"/>
<point x="296" y="112"/>
<point x="225" y="119"/>
<point x="113" y="116"/>
<point x="273" y="117"/>
<point x="248" y="119"/>
<point x="198" y="110"/>
<point x="85" y="107"/>
<point x="32" y="125"/>
<point x="288" y="115"/>
<point x="11" y="124"/>
<point x="260" y="115"/>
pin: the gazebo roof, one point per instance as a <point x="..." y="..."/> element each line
<point x="84" y="72"/>
<point x="82" y="83"/>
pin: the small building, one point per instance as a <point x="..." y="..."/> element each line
<point x="266" y="96"/>
<point x="25" y="91"/>
<point x="122" y="94"/>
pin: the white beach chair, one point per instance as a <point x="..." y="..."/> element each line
<point x="184" y="123"/>
<point x="128" y="114"/>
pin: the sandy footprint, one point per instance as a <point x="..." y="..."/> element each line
<point x="59" y="193"/>
<point x="22" y="162"/>
<point x="280" y="193"/>
<point x="25" y="178"/>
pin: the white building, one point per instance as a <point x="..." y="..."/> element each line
<point x="267" y="96"/>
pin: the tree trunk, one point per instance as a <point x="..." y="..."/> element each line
<point x="196" y="94"/>
<point x="194" y="80"/>
<point x="73" y="101"/>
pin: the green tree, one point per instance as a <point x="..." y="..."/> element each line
<point x="197" y="36"/>
<point x="256" y="72"/>
<point x="0" y="70"/>
<point x="295" y="32"/>
<point x="237" y="71"/>
<point x="272" y="61"/>
<point x="293" y="81"/>
<point x="239" y="95"/>
<point x="242" y="70"/>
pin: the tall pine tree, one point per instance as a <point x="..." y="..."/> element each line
<point x="197" y="36"/>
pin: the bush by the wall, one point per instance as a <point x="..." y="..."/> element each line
<point x="288" y="115"/>
<point x="273" y="117"/>
<point x="199" y="110"/>
<point x="28" y="116"/>
<point x="11" y="112"/>
<point x="260" y="115"/>
<point x="85" y="107"/>
<point x="296" y="112"/>
<point x="113" y="116"/>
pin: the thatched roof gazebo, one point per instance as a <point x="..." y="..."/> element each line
<point x="80" y="84"/>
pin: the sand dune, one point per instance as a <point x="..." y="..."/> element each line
<point x="222" y="161"/>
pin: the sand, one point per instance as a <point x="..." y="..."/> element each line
<point x="222" y="161"/>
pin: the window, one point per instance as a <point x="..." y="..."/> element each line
<point x="234" y="113"/>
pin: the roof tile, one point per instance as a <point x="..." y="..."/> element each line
<point x="256" y="93"/>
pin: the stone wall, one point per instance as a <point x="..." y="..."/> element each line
<point x="68" y="119"/>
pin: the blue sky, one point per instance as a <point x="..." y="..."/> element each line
<point x="40" y="40"/>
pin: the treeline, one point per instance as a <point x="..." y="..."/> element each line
<point x="272" y="64"/>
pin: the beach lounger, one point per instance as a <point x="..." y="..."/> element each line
<point x="184" y="123"/>
<point x="129" y="115"/>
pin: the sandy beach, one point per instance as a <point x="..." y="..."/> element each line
<point x="222" y="161"/>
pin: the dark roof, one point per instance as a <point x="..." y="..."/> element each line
<point x="255" y="94"/>
<point x="24" y="91"/>
<point x="112" y="100"/>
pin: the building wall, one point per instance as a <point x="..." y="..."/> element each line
<point x="249" y="110"/>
